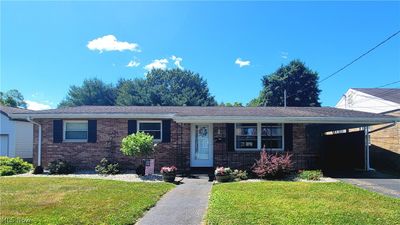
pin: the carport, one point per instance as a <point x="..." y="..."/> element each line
<point x="342" y="146"/>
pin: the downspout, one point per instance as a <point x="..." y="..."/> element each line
<point x="39" y="140"/>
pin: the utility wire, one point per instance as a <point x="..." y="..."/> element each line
<point x="358" y="58"/>
<point x="350" y="63"/>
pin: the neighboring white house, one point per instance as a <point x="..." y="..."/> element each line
<point x="375" y="100"/>
<point x="16" y="136"/>
<point x="384" y="139"/>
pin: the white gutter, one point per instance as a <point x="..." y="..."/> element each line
<point x="39" y="140"/>
<point x="266" y="119"/>
<point x="91" y="115"/>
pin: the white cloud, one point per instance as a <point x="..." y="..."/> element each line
<point x="133" y="63"/>
<point x="157" y="64"/>
<point x="32" y="105"/>
<point x="284" y="55"/>
<point x="110" y="43"/>
<point x="177" y="61"/>
<point x="242" y="63"/>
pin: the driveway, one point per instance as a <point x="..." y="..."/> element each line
<point x="184" y="205"/>
<point x="372" y="180"/>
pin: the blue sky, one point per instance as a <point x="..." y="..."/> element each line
<point x="44" y="45"/>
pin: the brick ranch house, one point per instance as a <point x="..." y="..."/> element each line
<point x="191" y="137"/>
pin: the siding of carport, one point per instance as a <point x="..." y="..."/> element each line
<point x="23" y="139"/>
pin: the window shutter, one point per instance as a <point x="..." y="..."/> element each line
<point x="166" y="131"/>
<point x="57" y="131"/>
<point x="230" y="137"/>
<point x="92" y="131"/>
<point x="288" y="137"/>
<point x="132" y="126"/>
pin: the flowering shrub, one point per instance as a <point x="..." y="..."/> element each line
<point x="240" y="175"/>
<point x="139" y="144"/>
<point x="222" y="171"/>
<point x="272" y="165"/>
<point x="168" y="170"/>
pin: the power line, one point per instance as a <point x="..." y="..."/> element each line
<point x="395" y="82"/>
<point x="366" y="53"/>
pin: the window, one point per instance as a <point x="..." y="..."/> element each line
<point x="271" y="136"/>
<point x="75" y="130"/>
<point x="254" y="136"/>
<point x="246" y="136"/>
<point x="151" y="127"/>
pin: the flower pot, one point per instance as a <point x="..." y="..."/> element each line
<point x="169" y="177"/>
<point x="223" y="178"/>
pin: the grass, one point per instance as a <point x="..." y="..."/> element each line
<point x="277" y="202"/>
<point x="76" y="201"/>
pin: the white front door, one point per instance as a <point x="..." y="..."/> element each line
<point x="201" y="153"/>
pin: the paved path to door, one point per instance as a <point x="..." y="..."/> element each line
<point x="186" y="204"/>
<point x="374" y="181"/>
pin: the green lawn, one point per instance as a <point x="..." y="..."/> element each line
<point x="299" y="203"/>
<point x="76" y="201"/>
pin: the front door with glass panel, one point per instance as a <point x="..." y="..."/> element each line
<point x="201" y="154"/>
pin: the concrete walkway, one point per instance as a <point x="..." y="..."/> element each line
<point x="373" y="181"/>
<point x="184" y="205"/>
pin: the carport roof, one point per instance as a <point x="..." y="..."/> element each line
<point x="214" y="114"/>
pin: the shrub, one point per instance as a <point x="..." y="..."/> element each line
<point x="60" y="167"/>
<point x="272" y="166"/>
<point x="310" y="174"/>
<point x="6" y="171"/>
<point x="240" y="175"/>
<point x="38" y="170"/>
<point x="139" y="144"/>
<point x="11" y="166"/>
<point x="106" y="167"/>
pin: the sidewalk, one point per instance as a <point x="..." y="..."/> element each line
<point x="184" y="205"/>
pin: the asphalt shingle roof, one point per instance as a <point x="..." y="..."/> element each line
<point x="209" y="111"/>
<point x="388" y="94"/>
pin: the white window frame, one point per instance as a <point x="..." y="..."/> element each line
<point x="74" y="121"/>
<point x="151" y="121"/>
<point x="259" y="147"/>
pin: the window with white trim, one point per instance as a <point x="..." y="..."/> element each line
<point x="246" y="136"/>
<point x="271" y="136"/>
<point x="255" y="136"/>
<point x="75" y="130"/>
<point x="151" y="127"/>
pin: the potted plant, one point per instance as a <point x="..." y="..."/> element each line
<point x="139" y="144"/>
<point x="169" y="173"/>
<point x="223" y="174"/>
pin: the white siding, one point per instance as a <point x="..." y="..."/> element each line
<point x="7" y="127"/>
<point x="23" y="139"/>
<point x="359" y="101"/>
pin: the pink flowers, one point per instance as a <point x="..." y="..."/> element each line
<point x="272" y="165"/>
<point x="168" y="170"/>
<point x="221" y="171"/>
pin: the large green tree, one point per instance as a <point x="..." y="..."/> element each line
<point x="171" y="87"/>
<point x="300" y="83"/>
<point x="12" y="98"/>
<point x="92" y="92"/>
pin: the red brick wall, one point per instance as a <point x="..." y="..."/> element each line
<point x="303" y="157"/>
<point x="88" y="155"/>
<point x="177" y="152"/>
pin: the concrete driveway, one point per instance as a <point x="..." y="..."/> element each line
<point x="373" y="180"/>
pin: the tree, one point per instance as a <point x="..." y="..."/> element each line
<point x="139" y="144"/>
<point x="300" y="83"/>
<point x="12" y="98"/>
<point x="228" y="104"/>
<point x="92" y="92"/>
<point x="133" y="92"/>
<point x="174" y="87"/>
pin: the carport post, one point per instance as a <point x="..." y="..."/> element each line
<point x="366" y="131"/>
